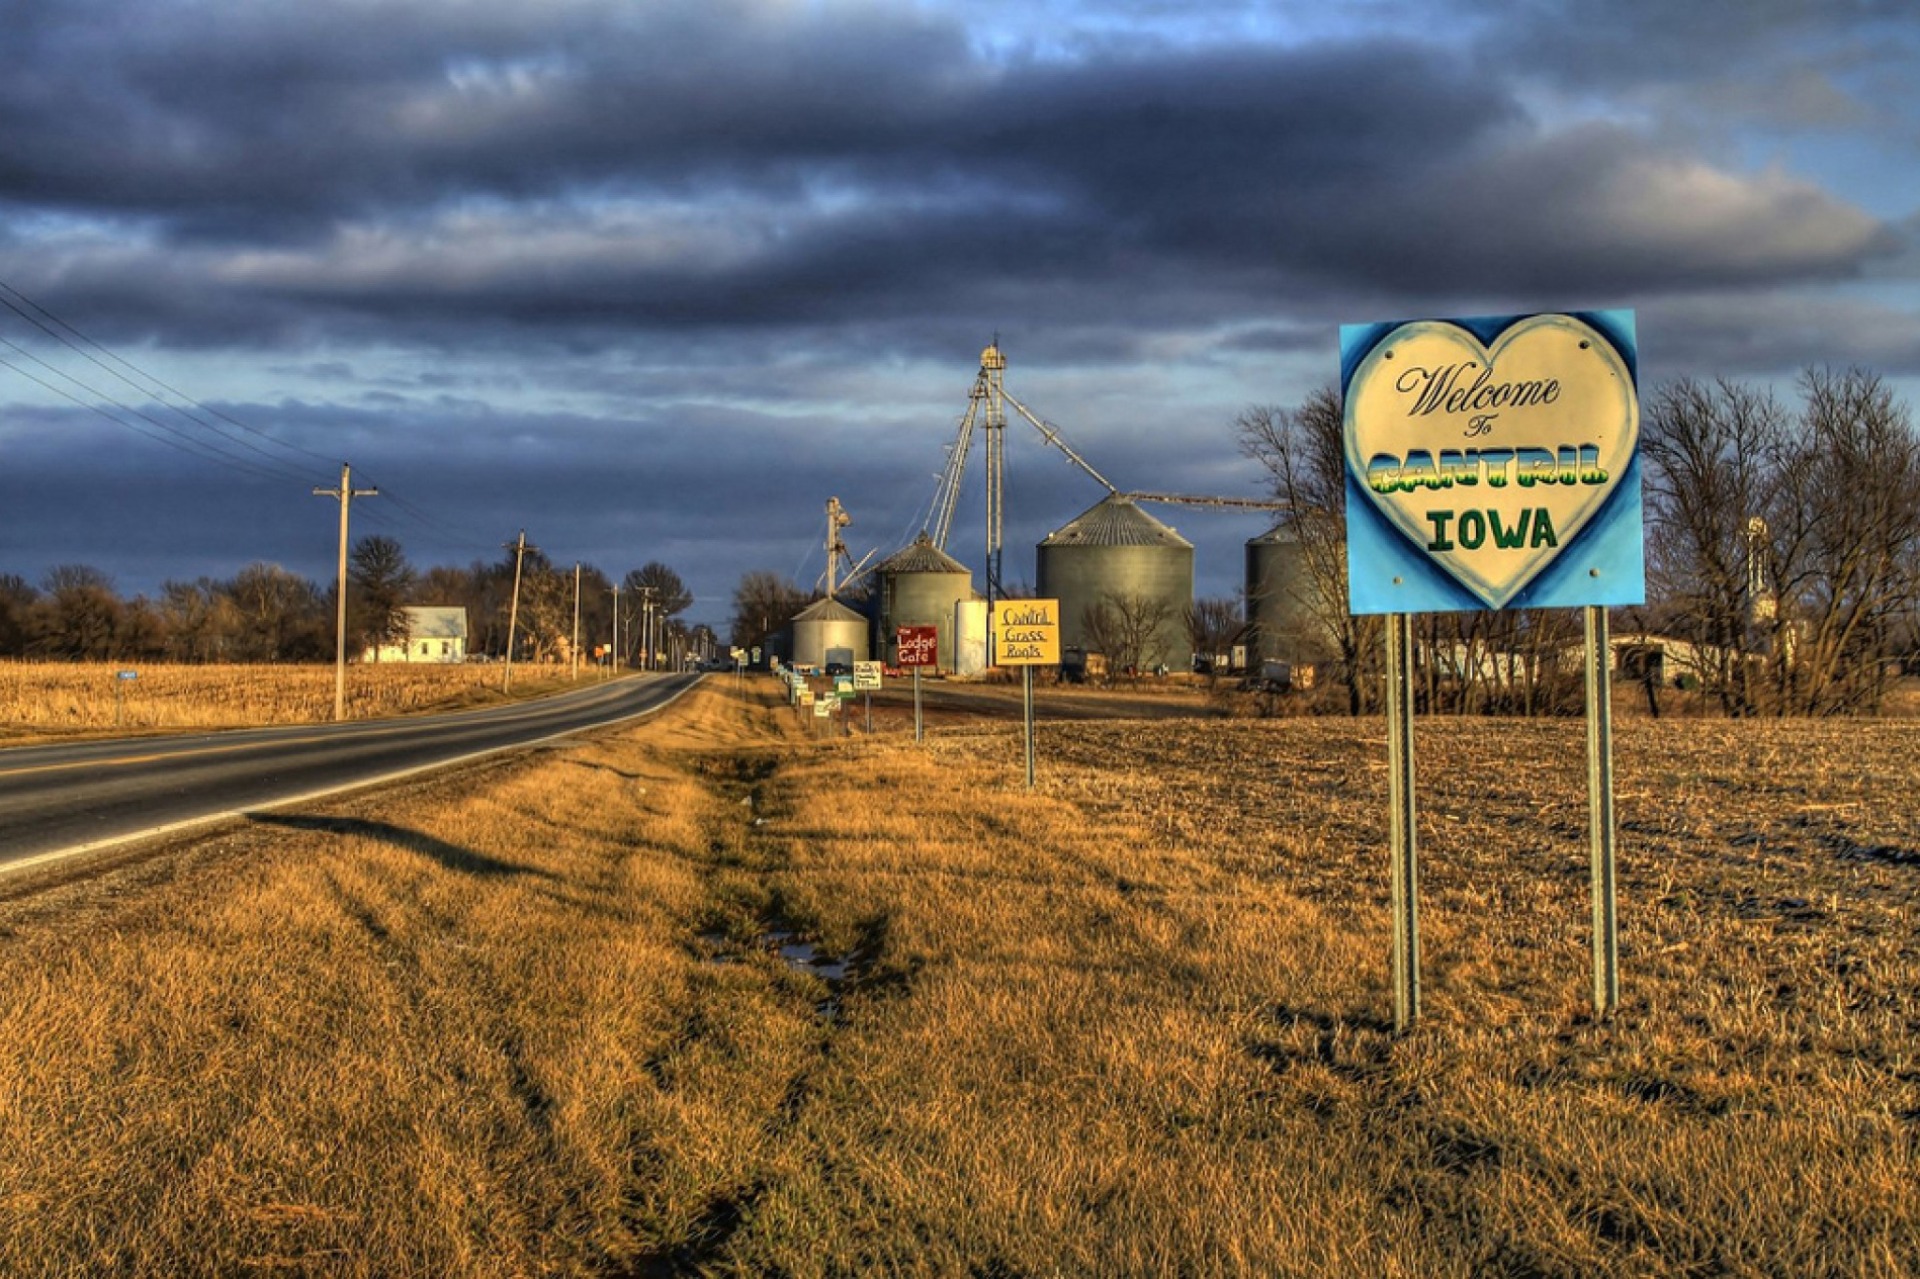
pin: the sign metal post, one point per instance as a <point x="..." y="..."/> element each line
<point x="1492" y="462"/>
<point x="866" y="678"/>
<point x="1606" y="917"/>
<point x="915" y="647"/>
<point x="1026" y="633"/>
<point x="120" y="680"/>
<point x="1405" y="862"/>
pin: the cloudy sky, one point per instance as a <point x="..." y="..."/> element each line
<point x="654" y="279"/>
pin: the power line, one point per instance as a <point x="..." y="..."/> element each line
<point x="8" y="296"/>
<point x="171" y="436"/>
<point x="206" y="440"/>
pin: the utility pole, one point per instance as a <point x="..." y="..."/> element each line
<point x="646" y="627"/>
<point x="613" y="657"/>
<point x="576" y="621"/>
<point x="346" y="493"/>
<point x="519" y="548"/>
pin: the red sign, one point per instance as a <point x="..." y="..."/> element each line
<point x="919" y="646"/>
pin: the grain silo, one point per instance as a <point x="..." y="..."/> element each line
<point x="919" y="587"/>
<point x="1118" y="558"/>
<point x="1285" y="606"/>
<point x="828" y="633"/>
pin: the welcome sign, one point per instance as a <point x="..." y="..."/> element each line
<point x="1493" y="462"/>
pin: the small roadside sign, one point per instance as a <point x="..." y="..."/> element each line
<point x="806" y="697"/>
<point x="919" y="646"/>
<point x="127" y="675"/>
<point x="866" y="675"/>
<point x="1026" y="633"/>
<point x="822" y="708"/>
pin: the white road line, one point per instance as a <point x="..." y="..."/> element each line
<point x="232" y="814"/>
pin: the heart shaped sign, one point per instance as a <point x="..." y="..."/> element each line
<point x="1491" y="458"/>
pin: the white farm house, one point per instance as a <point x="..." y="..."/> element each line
<point x="433" y="635"/>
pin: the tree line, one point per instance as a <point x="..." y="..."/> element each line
<point x="1782" y="543"/>
<point x="264" y="613"/>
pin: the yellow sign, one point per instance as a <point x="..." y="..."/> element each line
<point x="1026" y="633"/>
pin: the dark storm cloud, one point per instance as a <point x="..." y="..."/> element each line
<point x="654" y="280"/>
<point x="289" y="172"/>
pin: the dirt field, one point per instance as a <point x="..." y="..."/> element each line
<point x="712" y="996"/>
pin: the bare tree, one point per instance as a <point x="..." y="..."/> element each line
<point x="1212" y="625"/>
<point x="1712" y="455"/>
<point x="763" y="602"/>
<point x="1842" y="541"/>
<point x="17" y="596"/>
<point x="281" y="617"/>
<point x="201" y="620"/>
<point x="1304" y="453"/>
<point x="77" y="615"/>
<point x="1128" y="628"/>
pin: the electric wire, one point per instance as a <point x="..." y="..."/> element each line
<point x="170" y="436"/>
<point x="181" y="439"/>
<point x="17" y="302"/>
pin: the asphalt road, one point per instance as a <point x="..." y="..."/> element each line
<point x="60" y="801"/>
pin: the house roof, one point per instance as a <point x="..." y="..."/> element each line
<point x="436" y="623"/>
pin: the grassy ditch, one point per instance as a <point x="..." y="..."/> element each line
<point x="712" y="996"/>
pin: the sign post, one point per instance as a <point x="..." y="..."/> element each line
<point x="866" y="678"/>
<point x="1404" y="874"/>
<point x="1606" y="920"/>
<point x="917" y="646"/>
<point x="1026" y="633"/>
<point x="120" y="681"/>
<point x="1493" y="463"/>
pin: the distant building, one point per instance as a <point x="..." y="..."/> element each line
<point x="433" y="635"/>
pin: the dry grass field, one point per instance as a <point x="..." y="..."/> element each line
<point x="711" y="996"/>
<point x="43" y="699"/>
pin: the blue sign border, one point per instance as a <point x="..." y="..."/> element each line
<point x="1387" y="573"/>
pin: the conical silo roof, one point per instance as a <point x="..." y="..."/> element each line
<point x="922" y="557"/>
<point x="1115" y="521"/>
<point x="828" y="610"/>
<point x="1281" y="534"/>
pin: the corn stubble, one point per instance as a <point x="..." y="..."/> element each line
<point x="1132" y="1022"/>
<point x="41" y="699"/>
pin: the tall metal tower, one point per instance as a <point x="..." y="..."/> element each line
<point x="991" y="399"/>
<point x="987" y="406"/>
<point x="837" y="519"/>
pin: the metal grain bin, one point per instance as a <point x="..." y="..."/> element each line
<point x="1285" y="607"/>
<point x="827" y="632"/>
<point x="1118" y="555"/>
<point x="919" y="587"/>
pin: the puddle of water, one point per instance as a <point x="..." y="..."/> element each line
<point x="797" y="954"/>
<point x="806" y="957"/>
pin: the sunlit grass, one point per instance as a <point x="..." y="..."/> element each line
<point x="43" y="698"/>
<point x="1131" y="1022"/>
